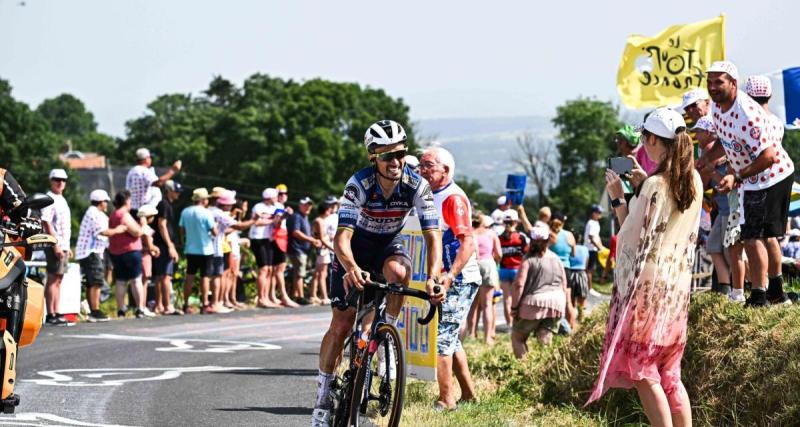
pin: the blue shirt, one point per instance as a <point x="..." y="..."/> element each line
<point x="562" y="248"/>
<point x="578" y="262"/>
<point x="298" y="222"/>
<point x="198" y="223"/>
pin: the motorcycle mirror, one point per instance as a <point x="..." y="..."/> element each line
<point x="40" y="241"/>
<point x="36" y="201"/>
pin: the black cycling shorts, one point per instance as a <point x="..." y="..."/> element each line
<point x="370" y="257"/>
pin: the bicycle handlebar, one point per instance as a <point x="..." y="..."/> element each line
<point x="397" y="289"/>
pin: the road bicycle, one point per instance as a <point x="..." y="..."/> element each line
<point x="369" y="383"/>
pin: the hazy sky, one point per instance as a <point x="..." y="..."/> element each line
<point x="445" y="58"/>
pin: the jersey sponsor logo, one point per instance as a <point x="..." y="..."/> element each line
<point x="351" y="193"/>
<point x="755" y="132"/>
<point x="367" y="182"/>
<point x="398" y="203"/>
<point x="427" y="194"/>
<point x="411" y="181"/>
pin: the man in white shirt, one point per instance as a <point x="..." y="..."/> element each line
<point x="591" y="238"/>
<point x="57" y="222"/>
<point x="751" y="139"/>
<point x="142" y="177"/>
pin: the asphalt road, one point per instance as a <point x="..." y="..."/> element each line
<point x="255" y="367"/>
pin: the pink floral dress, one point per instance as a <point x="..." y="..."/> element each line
<point x="646" y="332"/>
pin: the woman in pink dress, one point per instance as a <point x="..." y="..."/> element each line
<point x="646" y="333"/>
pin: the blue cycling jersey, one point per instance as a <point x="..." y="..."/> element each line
<point x="373" y="215"/>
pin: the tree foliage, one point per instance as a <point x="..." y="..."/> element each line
<point x="307" y="135"/>
<point x="74" y="125"/>
<point x="585" y="131"/>
<point x="537" y="158"/>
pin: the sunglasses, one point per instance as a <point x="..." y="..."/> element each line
<point x="59" y="180"/>
<point x="394" y="155"/>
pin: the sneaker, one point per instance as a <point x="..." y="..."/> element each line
<point x="756" y="299"/>
<point x="58" y="320"/>
<point x="321" y="418"/>
<point x="97" y="316"/>
<point x="121" y="314"/>
<point x="147" y="313"/>
<point x="777" y="299"/>
<point x="736" y="298"/>
<point x="223" y="310"/>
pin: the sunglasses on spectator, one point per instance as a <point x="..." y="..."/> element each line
<point x="394" y="155"/>
<point x="58" y="180"/>
<point x="283" y="193"/>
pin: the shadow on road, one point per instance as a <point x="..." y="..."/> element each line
<point x="291" y="410"/>
<point x="276" y="372"/>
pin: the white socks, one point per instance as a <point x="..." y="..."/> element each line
<point x="323" y="391"/>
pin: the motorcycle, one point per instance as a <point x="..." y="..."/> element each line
<point x="21" y="298"/>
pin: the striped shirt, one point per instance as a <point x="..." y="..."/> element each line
<point x="90" y="240"/>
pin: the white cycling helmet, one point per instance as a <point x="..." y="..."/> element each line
<point x="384" y="132"/>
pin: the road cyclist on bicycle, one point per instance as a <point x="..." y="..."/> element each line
<point x="376" y="202"/>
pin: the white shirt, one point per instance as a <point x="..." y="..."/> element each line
<point x="90" y="240"/>
<point x="455" y="214"/>
<point x="138" y="182"/>
<point x="262" y="210"/>
<point x="746" y="130"/>
<point x="592" y="229"/>
<point x="58" y="215"/>
<point x="223" y="221"/>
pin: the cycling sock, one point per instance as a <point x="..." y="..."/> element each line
<point x="737" y="292"/>
<point x="392" y="320"/>
<point x="323" y="391"/>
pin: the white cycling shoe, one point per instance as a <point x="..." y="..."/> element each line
<point x="321" y="418"/>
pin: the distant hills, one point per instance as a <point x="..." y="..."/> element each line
<point x="483" y="147"/>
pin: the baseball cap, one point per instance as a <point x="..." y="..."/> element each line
<point x="173" y="186"/>
<point x="510" y="215"/>
<point x="146" y="210"/>
<point x="199" y="194"/>
<point x="282" y="188"/>
<point x="269" y="193"/>
<point x="331" y="200"/>
<point x="597" y="208"/>
<point x="629" y="133"/>
<point x="501" y="200"/>
<point x="540" y="232"/>
<point x="227" y="197"/>
<point x="704" y="123"/>
<point x="693" y="96"/>
<point x="58" y="174"/>
<point x="99" y="196"/>
<point x="724" y="67"/>
<point x="664" y="122"/>
<point x="217" y="191"/>
<point x="758" y="86"/>
<point x="306" y="201"/>
<point x="142" y="153"/>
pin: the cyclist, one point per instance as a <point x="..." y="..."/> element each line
<point x="374" y="208"/>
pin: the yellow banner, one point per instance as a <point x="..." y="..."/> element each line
<point x="420" y="340"/>
<point x="657" y="71"/>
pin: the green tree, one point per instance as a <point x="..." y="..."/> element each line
<point x="74" y="125"/>
<point x="585" y="130"/>
<point x="791" y="142"/>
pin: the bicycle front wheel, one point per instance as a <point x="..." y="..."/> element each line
<point x="379" y="387"/>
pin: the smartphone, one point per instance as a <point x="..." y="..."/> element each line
<point x="620" y="165"/>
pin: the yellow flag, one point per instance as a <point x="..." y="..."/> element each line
<point x="657" y="71"/>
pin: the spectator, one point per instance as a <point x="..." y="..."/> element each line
<point x="627" y="140"/>
<point x="577" y="280"/>
<point x="57" y="222"/>
<point x="791" y="249"/>
<point x="92" y="243"/>
<point x="261" y="244"/>
<point x="707" y="138"/>
<point x="198" y="227"/>
<point x="164" y="239"/>
<point x="544" y="216"/>
<point x="235" y="241"/>
<point x="514" y="246"/>
<point x="758" y="163"/>
<point x="540" y="297"/>
<point x="300" y="242"/>
<point x="591" y="238"/>
<point x="695" y="104"/>
<point x="143" y="176"/>
<point x="462" y="277"/>
<point x="498" y="215"/>
<point x="646" y="333"/>
<point x="324" y="229"/>
<point x="126" y="255"/>
<point x="225" y="224"/>
<point x="146" y="215"/>
<point x="562" y="243"/>
<point x="280" y="241"/>
<point x="489" y="253"/>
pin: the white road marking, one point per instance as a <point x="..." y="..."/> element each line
<point x="42" y="419"/>
<point x="67" y="377"/>
<point x="186" y="346"/>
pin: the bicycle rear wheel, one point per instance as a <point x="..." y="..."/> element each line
<point x="379" y="387"/>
